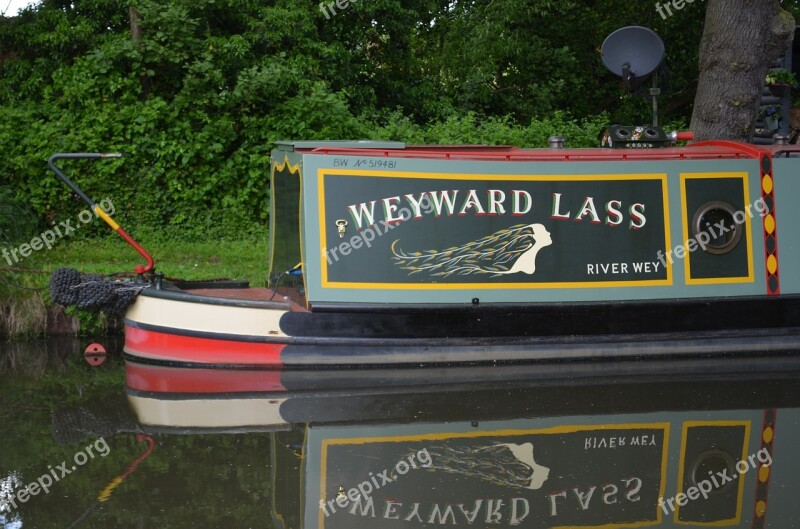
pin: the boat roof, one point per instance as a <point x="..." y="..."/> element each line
<point x="707" y="150"/>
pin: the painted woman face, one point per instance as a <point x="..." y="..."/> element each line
<point x="540" y="475"/>
<point x="541" y="235"/>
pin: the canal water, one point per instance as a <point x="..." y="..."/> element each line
<point x="694" y="442"/>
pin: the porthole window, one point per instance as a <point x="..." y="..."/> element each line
<point x="712" y="463"/>
<point x="716" y="221"/>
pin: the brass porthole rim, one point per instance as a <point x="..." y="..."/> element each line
<point x="728" y="208"/>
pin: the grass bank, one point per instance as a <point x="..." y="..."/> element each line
<point x="25" y="307"/>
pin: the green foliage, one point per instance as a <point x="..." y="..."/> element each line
<point x="199" y="98"/>
<point x="792" y="6"/>
<point x="196" y="105"/>
<point x="781" y="76"/>
<point x="529" y="58"/>
<point x="471" y="129"/>
<point x="244" y="259"/>
<point x="92" y="323"/>
<point x="17" y="221"/>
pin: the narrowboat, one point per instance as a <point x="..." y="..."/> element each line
<point x="665" y="443"/>
<point x="383" y="253"/>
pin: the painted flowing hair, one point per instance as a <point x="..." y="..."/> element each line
<point x="494" y="254"/>
<point x="494" y="464"/>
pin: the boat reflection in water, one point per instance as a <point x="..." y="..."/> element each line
<point x="662" y="443"/>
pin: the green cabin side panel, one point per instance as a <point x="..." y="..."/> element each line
<point x="586" y="218"/>
<point x="285" y="213"/>
<point x="787" y="192"/>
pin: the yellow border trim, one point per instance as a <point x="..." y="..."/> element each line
<point x="293" y="168"/>
<point x="745" y="445"/>
<point x="749" y="278"/>
<point x="483" y="177"/>
<point x="272" y="216"/>
<point x="663" y="426"/>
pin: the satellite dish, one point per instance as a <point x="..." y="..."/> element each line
<point x="633" y="52"/>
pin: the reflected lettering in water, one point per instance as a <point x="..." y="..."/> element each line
<point x="657" y="443"/>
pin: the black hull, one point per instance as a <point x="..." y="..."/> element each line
<point x="543" y="320"/>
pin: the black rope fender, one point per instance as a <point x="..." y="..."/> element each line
<point x="92" y="292"/>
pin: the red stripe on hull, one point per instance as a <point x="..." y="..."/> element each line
<point x="161" y="379"/>
<point x="155" y="345"/>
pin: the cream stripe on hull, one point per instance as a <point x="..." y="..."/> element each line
<point x="207" y="318"/>
<point x="208" y="413"/>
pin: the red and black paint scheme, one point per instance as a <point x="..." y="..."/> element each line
<point x="387" y="254"/>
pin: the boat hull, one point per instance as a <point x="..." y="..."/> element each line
<point x="179" y="328"/>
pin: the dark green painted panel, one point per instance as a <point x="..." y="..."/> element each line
<point x="285" y="219"/>
<point x="700" y="191"/>
<point x="538" y="231"/>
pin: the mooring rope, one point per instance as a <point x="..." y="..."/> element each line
<point x="92" y="292"/>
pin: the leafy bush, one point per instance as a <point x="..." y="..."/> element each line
<point x="198" y="100"/>
<point x="471" y="129"/>
<point x="17" y="221"/>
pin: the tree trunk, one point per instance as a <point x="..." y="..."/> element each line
<point x="740" y="40"/>
<point x="136" y="37"/>
<point x="136" y="30"/>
